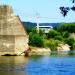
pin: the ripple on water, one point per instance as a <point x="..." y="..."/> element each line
<point x="43" y="65"/>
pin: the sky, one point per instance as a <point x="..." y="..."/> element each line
<point x="47" y="10"/>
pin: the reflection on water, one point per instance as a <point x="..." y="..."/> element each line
<point x="37" y="65"/>
<point x="13" y="65"/>
<point x="69" y="53"/>
<point x="47" y="65"/>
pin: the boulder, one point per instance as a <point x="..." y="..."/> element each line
<point x="39" y="51"/>
<point x="63" y="48"/>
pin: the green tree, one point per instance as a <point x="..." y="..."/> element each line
<point x="34" y="30"/>
<point x="52" y="44"/>
<point x="66" y="27"/>
<point x="52" y="33"/>
<point x="71" y="42"/>
<point x="66" y="34"/>
<point x="65" y="10"/>
<point x="41" y="33"/>
<point x="59" y="38"/>
<point x="35" y="39"/>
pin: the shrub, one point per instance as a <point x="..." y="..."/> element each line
<point x="41" y="33"/>
<point x="52" y="44"/>
<point x="52" y="34"/>
<point x="34" y="30"/>
<point x="71" y="42"/>
<point x="70" y="27"/>
<point x="35" y="40"/>
<point x="59" y="38"/>
<point x="66" y="34"/>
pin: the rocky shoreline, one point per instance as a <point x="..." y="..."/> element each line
<point x="62" y="48"/>
<point x="39" y="51"/>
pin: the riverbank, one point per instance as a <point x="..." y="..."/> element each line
<point x="62" y="49"/>
<point x="39" y="51"/>
<point x="59" y="39"/>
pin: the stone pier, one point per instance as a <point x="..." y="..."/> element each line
<point x="13" y="37"/>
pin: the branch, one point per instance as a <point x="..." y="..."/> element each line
<point x="64" y="10"/>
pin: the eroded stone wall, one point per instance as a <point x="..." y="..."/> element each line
<point x="7" y="44"/>
<point x="13" y="37"/>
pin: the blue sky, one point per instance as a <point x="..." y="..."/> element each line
<point x="47" y="9"/>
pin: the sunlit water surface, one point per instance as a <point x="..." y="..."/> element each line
<point x="37" y="65"/>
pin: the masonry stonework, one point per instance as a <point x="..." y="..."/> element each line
<point x="13" y="37"/>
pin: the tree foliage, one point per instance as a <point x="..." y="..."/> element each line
<point x="61" y="34"/>
<point x="65" y="10"/>
<point x="66" y="34"/>
<point x="73" y="1"/>
<point x="59" y="37"/>
<point x="52" y="44"/>
<point x="35" y="39"/>
<point x="69" y="27"/>
<point x="52" y="34"/>
<point x="71" y="42"/>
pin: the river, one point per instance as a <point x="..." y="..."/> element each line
<point x="37" y="65"/>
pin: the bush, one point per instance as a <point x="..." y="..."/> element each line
<point x="71" y="41"/>
<point x="52" y="34"/>
<point x="59" y="38"/>
<point x="34" y="30"/>
<point x="52" y="44"/>
<point x="35" y="40"/>
<point x="70" y="27"/>
<point x="41" y="33"/>
<point x="66" y="34"/>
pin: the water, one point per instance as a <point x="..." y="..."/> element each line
<point x="37" y="65"/>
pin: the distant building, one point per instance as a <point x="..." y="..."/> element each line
<point x="45" y="29"/>
<point x="30" y="25"/>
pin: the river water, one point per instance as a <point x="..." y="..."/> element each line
<point x="37" y="65"/>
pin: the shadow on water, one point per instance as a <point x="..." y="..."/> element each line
<point x="36" y="57"/>
<point x="64" y="54"/>
<point x="38" y="64"/>
<point x="71" y="53"/>
<point x="13" y="65"/>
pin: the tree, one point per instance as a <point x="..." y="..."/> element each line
<point x="52" y="44"/>
<point x="71" y="42"/>
<point x="66" y="27"/>
<point x="34" y="30"/>
<point x="66" y="34"/>
<point x="52" y="34"/>
<point x="65" y="10"/>
<point x="58" y="37"/>
<point x="35" y="39"/>
<point x="73" y="1"/>
<point x="41" y="33"/>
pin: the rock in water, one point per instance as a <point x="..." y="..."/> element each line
<point x="13" y="37"/>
